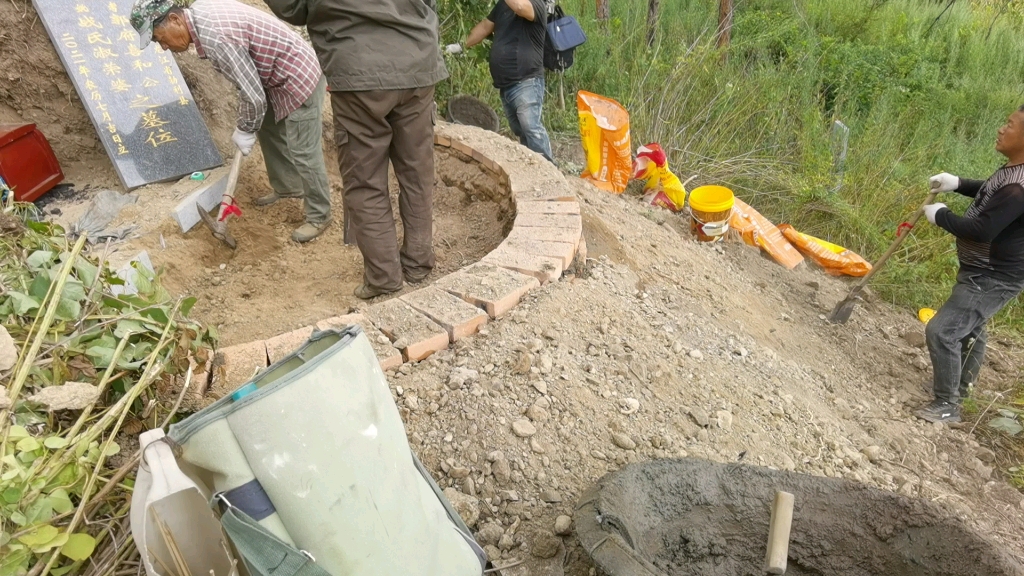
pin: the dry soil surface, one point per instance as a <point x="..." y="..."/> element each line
<point x="657" y="347"/>
<point x="664" y="347"/>
<point x="270" y="284"/>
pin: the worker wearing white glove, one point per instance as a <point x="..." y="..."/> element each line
<point x="244" y="140"/>
<point x="453" y="49"/>
<point x="990" y="249"/>
<point x="944" y="183"/>
<point x="932" y="209"/>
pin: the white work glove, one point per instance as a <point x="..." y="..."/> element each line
<point x="932" y="209"/>
<point x="944" y="182"/>
<point x="453" y="49"/>
<point x="244" y="140"/>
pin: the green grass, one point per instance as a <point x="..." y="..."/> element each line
<point x="918" y="100"/>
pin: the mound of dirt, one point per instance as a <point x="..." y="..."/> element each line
<point x="665" y="348"/>
<point x="36" y="88"/>
<point x="695" y="517"/>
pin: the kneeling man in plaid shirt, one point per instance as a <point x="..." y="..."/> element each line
<point x="280" y="91"/>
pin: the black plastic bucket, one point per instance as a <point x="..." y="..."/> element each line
<point x="472" y="112"/>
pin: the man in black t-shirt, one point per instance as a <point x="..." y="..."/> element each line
<point x="517" y="66"/>
<point x="990" y="247"/>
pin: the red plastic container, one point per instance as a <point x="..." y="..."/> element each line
<point x="27" y="162"/>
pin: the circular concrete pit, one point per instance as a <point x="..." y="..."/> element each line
<point x="696" y="517"/>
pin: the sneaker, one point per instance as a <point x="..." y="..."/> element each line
<point x="365" y="291"/>
<point x="939" y="411"/>
<point x="308" y="231"/>
<point x="271" y="198"/>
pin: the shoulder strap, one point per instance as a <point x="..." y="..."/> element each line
<point x="559" y="14"/>
<point x="264" y="553"/>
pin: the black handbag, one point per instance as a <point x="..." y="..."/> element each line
<point x="563" y="37"/>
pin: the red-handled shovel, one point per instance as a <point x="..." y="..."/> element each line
<point x="841" y="313"/>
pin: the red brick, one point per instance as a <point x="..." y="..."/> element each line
<point x="537" y="182"/>
<point x="494" y="167"/>
<point x="565" y="221"/>
<point x="282" y="345"/>
<point x="564" y="251"/>
<point x="410" y="331"/>
<point x="547" y="207"/>
<point x="557" y="194"/>
<point x="493" y="288"/>
<point x="546" y="235"/>
<point x="388" y="356"/>
<point x="457" y="316"/>
<point x="236" y="365"/>
<point x="201" y="375"/>
<point x="543" y="268"/>
<point x="479" y="157"/>
<point x="462" y="147"/>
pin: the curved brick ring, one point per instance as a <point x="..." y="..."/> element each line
<point x="546" y="236"/>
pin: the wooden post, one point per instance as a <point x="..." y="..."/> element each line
<point x="652" y="21"/>
<point x="604" y="10"/>
<point x="778" y="533"/>
<point x="724" y="26"/>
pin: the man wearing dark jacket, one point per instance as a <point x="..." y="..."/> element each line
<point x="517" y="66"/>
<point x="990" y="246"/>
<point x="382" y="60"/>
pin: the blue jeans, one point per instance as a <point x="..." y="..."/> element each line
<point x="523" y="104"/>
<point x="956" y="335"/>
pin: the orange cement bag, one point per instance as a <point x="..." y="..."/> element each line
<point x="836" y="260"/>
<point x="757" y="231"/>
<point x="604" y="129"/>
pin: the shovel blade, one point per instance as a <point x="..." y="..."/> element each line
<point x="219" y="229"/>
<point x="842" y="312"/>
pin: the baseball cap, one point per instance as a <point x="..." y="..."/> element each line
<point x="144" y="14"/>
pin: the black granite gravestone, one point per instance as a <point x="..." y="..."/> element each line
<point x="137" y="99"/>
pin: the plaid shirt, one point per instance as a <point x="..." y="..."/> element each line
<point x="258" y="53"/>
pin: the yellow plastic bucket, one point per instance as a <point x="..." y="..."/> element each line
<point x="710" y="209"/>
<point x="925" y="314"/>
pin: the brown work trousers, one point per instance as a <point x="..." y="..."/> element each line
<point x="372" y="127"/>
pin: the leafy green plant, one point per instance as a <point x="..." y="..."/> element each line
<point x="1007" y="422"/>
<point x="60" y="504"/>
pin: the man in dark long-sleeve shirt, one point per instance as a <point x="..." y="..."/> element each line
<point x="990" y="246"/>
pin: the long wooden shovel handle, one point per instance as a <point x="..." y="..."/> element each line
<point x="901" y="235"/>
<point x="236" y="164"/>
<point x="229" y="191"/>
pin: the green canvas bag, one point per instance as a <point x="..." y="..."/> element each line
<point x="309" y="467"/>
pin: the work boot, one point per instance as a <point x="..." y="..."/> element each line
<point x="308" y="231"/>
<point x="271" y="198"/>
<point x="939" y="411"/>
<point x="365" y="291"/>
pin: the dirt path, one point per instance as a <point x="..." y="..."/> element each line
<point x="727" y="357"/>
